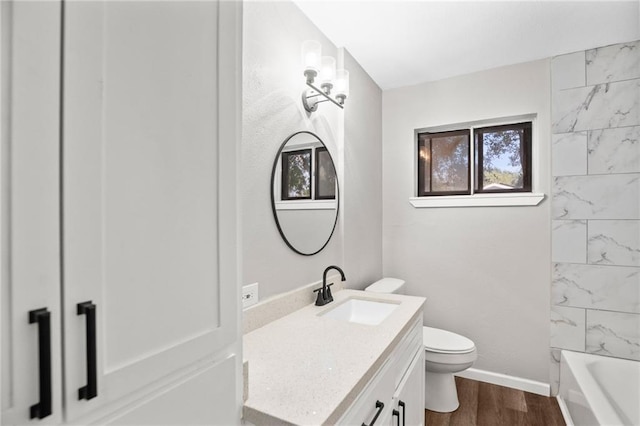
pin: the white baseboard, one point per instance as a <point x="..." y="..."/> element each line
<point x="565" y="411"/>
<point x="509" y="381"/>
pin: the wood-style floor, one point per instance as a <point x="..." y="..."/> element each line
<point x="484" y="404"/>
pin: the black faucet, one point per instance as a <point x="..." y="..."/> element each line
<point x="324" y="293"/>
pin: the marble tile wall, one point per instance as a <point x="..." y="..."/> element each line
<point x="595" y="290"/>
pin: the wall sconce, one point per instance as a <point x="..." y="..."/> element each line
<point x="330" y="79"/>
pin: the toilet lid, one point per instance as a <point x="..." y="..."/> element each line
<point x="386" y="285"/>
<point x="437" y="340"/>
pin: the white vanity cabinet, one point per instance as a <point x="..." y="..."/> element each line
<point x="119" y="245"/>
<point x="395" y="395"/>
<point x="363" y="372"/>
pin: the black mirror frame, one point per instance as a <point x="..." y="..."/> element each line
<point x="273" y="201"/>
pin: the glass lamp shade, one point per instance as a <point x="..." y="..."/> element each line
<point x="328" y="70"/>
<point x="311" y="54"/>
<point x="341" y="87"/>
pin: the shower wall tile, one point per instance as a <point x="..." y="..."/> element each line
<point x="596" y="107"/>
<point x="569" y="154"/>
<point x="596" y="197"/>
<point x="569" y="241"/>
<point x="554" y="370"/>
<point x="595" y="203"/>
<point x="613" y="150"/>
<point x="613" y="334"/>
<point x="568" y="328"/>
<point x="568" y="71"/>
<point x="612" y="288"/>
<point x="613" y="63"/>
<point x="614" y="242"/>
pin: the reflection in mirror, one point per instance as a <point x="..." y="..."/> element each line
<point x="296" y="175"/>
<point x="326" y="175"/>
<point x="304" y="193"/>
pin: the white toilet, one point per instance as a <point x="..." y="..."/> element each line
<point x="446" y="353"/>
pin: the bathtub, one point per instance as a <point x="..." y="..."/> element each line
<point x="598" y="390"/>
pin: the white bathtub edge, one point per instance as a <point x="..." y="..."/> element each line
<point x="565" y="411"/>
<point x="513" y="382"/>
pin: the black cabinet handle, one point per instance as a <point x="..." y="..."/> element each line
<point x="401" y="404"/>
<point x="43" y="317"/>
<point x="396" y="413"/>
<point x="379" y="406"/>
<point x="91" y="390"/>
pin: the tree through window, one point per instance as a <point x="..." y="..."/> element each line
<point x="503" y="158"/>
<point x="296" y="175"/>
<point x="443" y="167"/>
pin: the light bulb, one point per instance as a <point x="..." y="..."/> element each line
<point x="341" y="87"/>
<point x="311" y="54"/>
<point x="328" y="70"/>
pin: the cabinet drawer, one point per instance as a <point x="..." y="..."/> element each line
<point x="364" y="409"/>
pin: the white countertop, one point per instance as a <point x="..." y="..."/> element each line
<point x="307" y="370"/>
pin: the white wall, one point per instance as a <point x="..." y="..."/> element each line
<point x="362" y="189"/>
<point x="272" y="110"/>
<point x="484" y="270"/>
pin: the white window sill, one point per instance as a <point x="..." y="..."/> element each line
<point x="306" y="205"/>
<point x="478" y="200"/>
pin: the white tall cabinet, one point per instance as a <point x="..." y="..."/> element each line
<point x="120" y="130"/>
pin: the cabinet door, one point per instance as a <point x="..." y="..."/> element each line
<point x="201" y="401"/>
<point x="30" y="255"/>
<point x="149" y="139"/>
<point x="409" y="397"/>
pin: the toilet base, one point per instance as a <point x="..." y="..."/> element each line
<point x="440" y="393"/>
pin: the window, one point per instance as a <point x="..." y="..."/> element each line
<point x="296" y="175"/>
<point x="307" y="174"/>
<point x="443" y="163"/>
<point x="501" y="160"/>
<point x="325" y="175"/>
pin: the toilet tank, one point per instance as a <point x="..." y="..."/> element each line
<point x="387" y="285"/>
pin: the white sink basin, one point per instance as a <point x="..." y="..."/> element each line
<point x="361" y="311"/>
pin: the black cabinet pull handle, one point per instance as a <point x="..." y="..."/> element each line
<point x="43" y="317"/>
<point x="401" y="404"/>
<point x="379" y="406"/>
<point x="91" y="390"/>
<point x="396" y="413"/>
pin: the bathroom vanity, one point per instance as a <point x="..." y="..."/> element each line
<point x="320" y="366"/>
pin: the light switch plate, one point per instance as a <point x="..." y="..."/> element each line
<point x="249" y="295"/>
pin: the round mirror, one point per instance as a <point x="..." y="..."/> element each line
<point x="304" y="193"/>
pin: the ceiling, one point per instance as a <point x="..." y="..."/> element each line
<point x="401" y="43"/>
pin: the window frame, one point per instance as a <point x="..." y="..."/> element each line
<point x="527" y="171"/>
<point x="284" y="193"/>
<point x="316" y="184"/>
<point x="421" y="164"/>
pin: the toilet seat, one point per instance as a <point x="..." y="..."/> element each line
<point x="442" y="341"/>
